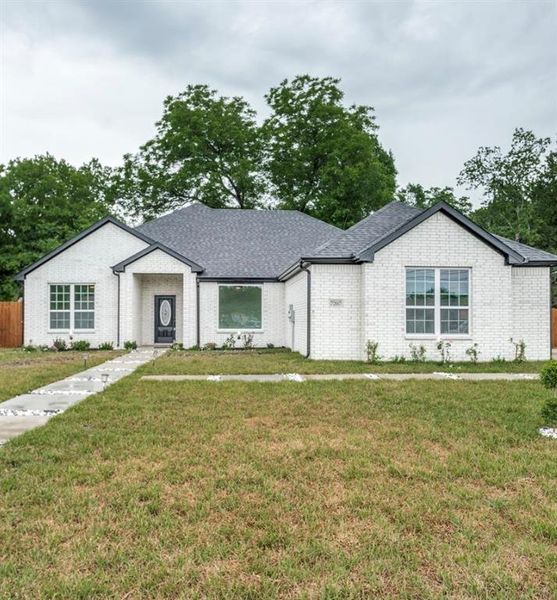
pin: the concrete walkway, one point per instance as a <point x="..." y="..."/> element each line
<point x="343" y="376"/>
<point x="31" y="410"/>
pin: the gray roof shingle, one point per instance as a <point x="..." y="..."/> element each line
<point x="529" y="253"/>
<point x="368" y="231"/>
<point x="239" y="242"/>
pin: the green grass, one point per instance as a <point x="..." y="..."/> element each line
<point x="316" y="490"/>
<point x="21" y="371"/>
<point x="283" y="361"/>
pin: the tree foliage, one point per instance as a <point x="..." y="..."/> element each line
<point x="206" y="148"/>
<point x="416" y="195"/>
<point x="515" y="185"/>
<point x="43" y="203"/>
<point x="324" y="158"/>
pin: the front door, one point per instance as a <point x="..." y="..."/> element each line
<point x="165" y="319"/>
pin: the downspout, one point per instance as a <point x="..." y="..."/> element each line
<point x="198" y="329"/>
<point x="308" y="302"/>
<point x="118" y="314"/>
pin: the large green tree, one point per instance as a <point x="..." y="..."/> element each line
<point x="420" y="197"/>
<point x="323" y="157"/>
<point x="515" y="185"/>
<point x="44" y="202"/>
<point x="206" y="148"/>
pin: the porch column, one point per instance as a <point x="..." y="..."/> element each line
<point x="189" y="322"/>
<point x="129" y="317"/>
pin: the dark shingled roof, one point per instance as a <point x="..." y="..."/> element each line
<point x="239" y="242"/>
<point x="529" y="253"/>
<point x="368" y="231"/>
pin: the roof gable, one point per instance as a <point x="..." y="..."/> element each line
<point x="86" y="232"/>
<point x="511" y="255"/>
<point x="121" y="266"/>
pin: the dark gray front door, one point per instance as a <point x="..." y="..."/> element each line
<point x="165" y="319"/>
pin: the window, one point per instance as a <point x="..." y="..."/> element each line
<point x="84" y="306"/>
<point x="437" y="301"/>
<point x="420" y="293"/>
<point x="454" y="294"/>
<point x="65" y="296"/>
<point x="59" y="307"/>
<point x="239" y="307"/>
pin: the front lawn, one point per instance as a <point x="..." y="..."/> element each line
<point x="284" y="361"/>
<point x="350" y="489"/>
<point x="22" y="371"/>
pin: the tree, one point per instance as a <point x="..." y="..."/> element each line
<point x="416" y="195"/>
<point x="44" y="202"/>
<point x="513" y="185"/>
<point x="324" y="158"/>
<point x="207" y="148"/>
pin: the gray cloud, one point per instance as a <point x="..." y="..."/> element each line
<point x="86" y="79"/>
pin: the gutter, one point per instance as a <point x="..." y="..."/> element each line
<point x="308" y="302"/>
<point x="326" y="260"/>
<point x="197" y="312"/>
<point x="118" y="313"/>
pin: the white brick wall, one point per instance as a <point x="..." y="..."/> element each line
<point x="336" y="305"/>
<point x="295" y="293"/>
<point x="87" y="261"/>
<point x="532" y="310"/>
<point x="273" y="315"/>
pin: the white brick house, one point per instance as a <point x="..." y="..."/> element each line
<point x="400" y="277"/>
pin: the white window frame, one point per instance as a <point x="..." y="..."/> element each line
<point x="72" y="310"/>
<point x="250" y="329"/>
<point x="437" y="307"/>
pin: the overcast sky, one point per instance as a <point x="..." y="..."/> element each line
<point x="87" y="79"/>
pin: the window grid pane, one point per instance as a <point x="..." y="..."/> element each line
<point x="84" y="297"/>
<point x="240" y="307"/>
<point x="59" y="320"/>
<point x="84" y="320"/>
<point x="59" y="297"/>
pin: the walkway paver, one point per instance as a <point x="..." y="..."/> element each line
<point x="28" y="411"/>
<point x="439" y="375"/>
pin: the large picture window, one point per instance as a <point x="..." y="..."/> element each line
<point x="437" y="301"/>
<point x="72" y="306"/>
<point x="240" y="307"/>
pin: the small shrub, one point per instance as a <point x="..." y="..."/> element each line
<point x="60" y="344"/>
<point x="247" y="339"/>
<point x="445" y="351"/>
<point x="130" y="345"/>
<point x="177" y="347"/>
<point x="210" y="346"/>
<point x="106" y="346"/>
<point x="473" y="353"/>
<point x="372" y="352"/>
<point x="519" y="350"/>
<point x="417" y="352"/>
<point x="499" y="360"/>
<point x="549" y="412"/>
<point x="229" y="343"/>
<point x="80" y="345"/>
<point x="548" y="376"/>
<point x="43" y="348"/>
<point x="194" y="348"/>
<point x="270" y="346"/>
<point x="30" y="348"/>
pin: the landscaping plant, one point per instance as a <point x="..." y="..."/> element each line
<point x="473" y="353"/>
<point x="372" y="352"/>
<point x="130" y="345"/>
<point x="417" y="352"/>
<point x="519" y="350"/>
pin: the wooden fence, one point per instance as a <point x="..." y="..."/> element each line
<point x="554" y="328"/>
<point x="11" y="324"/>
